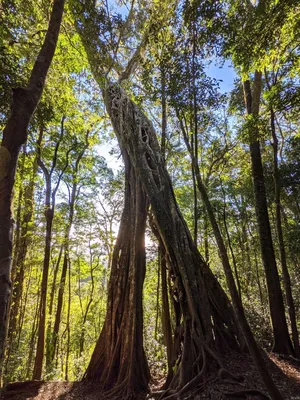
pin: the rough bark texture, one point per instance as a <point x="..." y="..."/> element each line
<point x="205" y="307"/>
<point x="119" y="360"/>
<point x="282" y="342"/>
<point x="25" y="101"/>
<point x="285" y="271"/>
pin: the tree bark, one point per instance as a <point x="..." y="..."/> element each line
<point x="119" y="360"/>
<point x="285" y="271"/>
<point x="25" y="101"/>
<point x="282" y="342"/>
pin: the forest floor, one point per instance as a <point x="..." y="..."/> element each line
<point x="285" y="372"/>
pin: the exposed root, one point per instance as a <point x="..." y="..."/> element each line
<point x="198" y="383"/>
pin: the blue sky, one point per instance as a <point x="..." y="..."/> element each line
<point x="224" y="74"/>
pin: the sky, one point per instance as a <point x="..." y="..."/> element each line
<point x="225" y="74"/>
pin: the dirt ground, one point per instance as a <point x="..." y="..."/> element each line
<point x="285" y="372"/>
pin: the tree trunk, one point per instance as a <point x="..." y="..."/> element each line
<point x="157" y="298"/>
<point x="52" y="340"/>
<point x="68" y="328"/>
<point x="282" y="342"/>
<point x="202" y="299"/>
<point x="40" y="349"/>
<point x="119" y="360"/>
<point x="17" y="231"/>
<point x="25" y="101"/>
<point x="285" y="271"/>
<point x="166" y="317"/>
<point x="51" y="302"/>
<point x="21" y="251"/>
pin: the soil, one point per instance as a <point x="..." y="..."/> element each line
<point x="285" y="372"/>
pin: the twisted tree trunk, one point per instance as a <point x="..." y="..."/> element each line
<point x="205" y="307"/>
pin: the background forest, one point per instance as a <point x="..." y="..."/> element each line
<point x="220" y="83"/>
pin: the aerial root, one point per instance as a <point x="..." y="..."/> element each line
<point x="247" y="392"/>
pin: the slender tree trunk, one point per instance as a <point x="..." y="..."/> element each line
<point x="54" y="336"/>
<point x="50" y="199"/>
<point x="195" y="134"/>
<point x="68" y="328"/>
<point x="236" y="274"/>
<point x="206" y="246"/>
<point x="157" y="298"/>
<point x="285" y="271"/>
<point x="25" y="101"/>
<point x="32" y="338"/>
<point x="18" y="272"/>
<point x="209" y="209"/>
<point x="51" y="303"/>
<point x="195" y="196"/>
<point x="163" y="112"/>
<point x="282" y="342"/>
<point x="40" y="349"/>
<point x="82" y="336"/>
<point x="258" y="280"/>
<point x="17" y="231"/>
<point x="166" y="317"/>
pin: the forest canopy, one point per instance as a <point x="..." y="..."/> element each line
<point x="150" y="197"/>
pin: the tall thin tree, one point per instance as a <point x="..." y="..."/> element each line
<point x="25" y="101"/>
